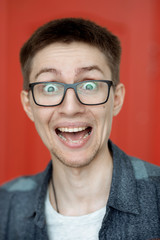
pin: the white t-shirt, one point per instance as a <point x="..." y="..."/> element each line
<point x="61" y="227"/>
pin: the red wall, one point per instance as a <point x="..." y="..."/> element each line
<point x="136" y="129"/>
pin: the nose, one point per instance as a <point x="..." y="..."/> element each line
<point x="70" y="104"/>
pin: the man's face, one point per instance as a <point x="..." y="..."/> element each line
<point x="75" y="134"/>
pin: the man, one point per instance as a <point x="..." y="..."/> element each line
<point x="91" y="189"/>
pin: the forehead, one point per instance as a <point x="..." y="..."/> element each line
<point x="66" y="57"/>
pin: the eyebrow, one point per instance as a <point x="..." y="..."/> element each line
<point x="78" y="70"/>
<point x="45" y="70"/>
<point x="88" y="69"/>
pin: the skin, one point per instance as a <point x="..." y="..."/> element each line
<point x="83" y="170"/>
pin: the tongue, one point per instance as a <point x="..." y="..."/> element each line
<point x="74" y="136"/>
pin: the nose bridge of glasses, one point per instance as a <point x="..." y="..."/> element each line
<point x="70" y="86"/>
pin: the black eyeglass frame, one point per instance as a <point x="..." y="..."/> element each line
<point x="71" y="86"/>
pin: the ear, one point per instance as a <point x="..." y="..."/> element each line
<point x="119" y="94"/>
<point x="26" y="104"/>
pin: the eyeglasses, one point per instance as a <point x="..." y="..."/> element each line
<point x="92" y="92"/>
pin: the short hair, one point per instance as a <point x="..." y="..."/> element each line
<point x="68" y="30"/>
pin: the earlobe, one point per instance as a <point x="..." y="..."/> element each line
<point x="119" y="95"/>
<point x="26" y="104"/>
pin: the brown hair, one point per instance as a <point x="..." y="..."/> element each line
<point x="68" y="30"/>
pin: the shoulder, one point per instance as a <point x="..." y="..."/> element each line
<point x="21" y="184"/>
<point x="147" y="178"/>
<point x="22" y="188"/>
<point x="141" y="169"/>
<point x="144" y="175"/>
<point x="19" y="200"/>
<point x="144" y="170"/>
<point x="16" y="198"/>
<point x="26" y="183"/>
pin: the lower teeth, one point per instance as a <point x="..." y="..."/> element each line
<point x="62" y="137"/>
<point x="87" y="134"/>
<point x="73" y="141"/>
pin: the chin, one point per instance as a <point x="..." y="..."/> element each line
<point x="74" y="161"/>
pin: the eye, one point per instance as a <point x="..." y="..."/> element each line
<point x="50" y="88"/>
<point x="89" y="86"/>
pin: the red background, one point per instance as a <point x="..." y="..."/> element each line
<point x="136" y="130"/>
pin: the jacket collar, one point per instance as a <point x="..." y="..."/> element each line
<point x="123" y="194"/>
<point x="37" y="209"/>
<point x="41" y="195"/>
<point x="31" y="208"/>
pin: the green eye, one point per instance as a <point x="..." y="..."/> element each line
<point x="90" y="86"/>
<point x="50" y="88"/>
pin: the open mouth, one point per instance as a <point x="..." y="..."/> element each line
<point x="74" y="135"/>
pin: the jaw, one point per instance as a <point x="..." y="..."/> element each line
<point x="76" y="147"/>
<point x="75" y="153"/>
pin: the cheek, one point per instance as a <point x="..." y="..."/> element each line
<point x="42" y="121"/>
<point x="42" y="118"/>
<point x="106" y="120"/>
<point x="42" y="114"/>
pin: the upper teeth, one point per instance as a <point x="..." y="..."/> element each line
<point x="72" y="129"/>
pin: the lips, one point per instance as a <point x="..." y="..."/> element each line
<point x="74" y="135"/>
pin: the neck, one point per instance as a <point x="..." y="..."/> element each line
<point x="80" y="191"/>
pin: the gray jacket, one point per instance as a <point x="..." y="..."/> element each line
<point x="132" y="211"/>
